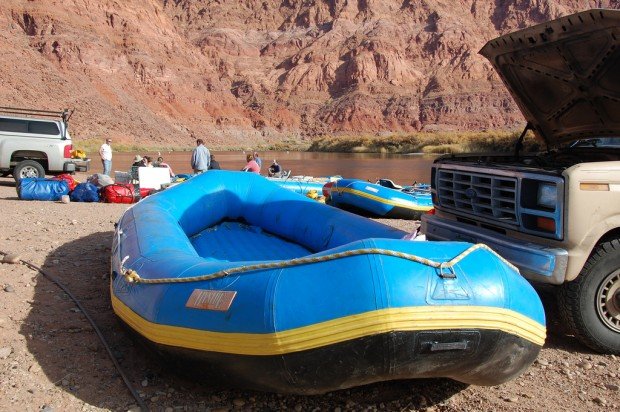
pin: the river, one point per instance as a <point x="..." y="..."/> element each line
<point x="403" y="169"/>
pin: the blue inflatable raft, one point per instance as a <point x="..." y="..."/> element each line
<point x="372" y="199"/>
<point x="248" y="283"/>
<point x="304" y="184"/>
<point x="303" y="187"/>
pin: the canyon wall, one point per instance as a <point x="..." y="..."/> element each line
<point x="242" y="73"/>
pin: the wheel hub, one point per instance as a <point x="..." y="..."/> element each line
<point x="608" y="301"/>
<point x="29" y="172"/>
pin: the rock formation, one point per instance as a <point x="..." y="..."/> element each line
<point x="249" y="72"/>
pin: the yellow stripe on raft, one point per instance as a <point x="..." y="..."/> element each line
<point x="400" y="202"/>
<point x="336" y="330"/>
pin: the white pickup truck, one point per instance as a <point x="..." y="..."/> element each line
<point x="555" y="215"/>
<point x="36" y="142"/>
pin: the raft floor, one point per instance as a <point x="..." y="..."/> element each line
<point x="239" y="242"/>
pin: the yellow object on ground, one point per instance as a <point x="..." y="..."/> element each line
<point x="78" y="154"/>
<point x="313" y="194"/>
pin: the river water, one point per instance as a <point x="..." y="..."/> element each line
<point x="403" y="169"/>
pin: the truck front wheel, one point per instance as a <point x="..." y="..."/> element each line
<point x="590" y="304"/>
<point x="28" y="168"/>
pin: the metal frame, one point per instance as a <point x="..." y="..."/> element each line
<point x="65" y="114"/>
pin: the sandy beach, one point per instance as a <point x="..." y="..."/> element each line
<point x="52" y="360"/>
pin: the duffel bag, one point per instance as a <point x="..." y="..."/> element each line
<point x="119" y="193"/>
<point x="145" y="191"/>
<point x="67" y="178"/>
<point x="85" y="192"/>
<point x="100" y="180"/>
<point x="41" y="189"/>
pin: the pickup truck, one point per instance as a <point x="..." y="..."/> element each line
<point x="555" y="214"/>
<point x="36" y="142"/>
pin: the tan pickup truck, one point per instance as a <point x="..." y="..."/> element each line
<point x="555" y="215"/>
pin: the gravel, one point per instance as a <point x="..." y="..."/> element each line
<point x="50" y="359"/>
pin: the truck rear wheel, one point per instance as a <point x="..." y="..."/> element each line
<point x="590" y="304"/>
<point x="28" y="168"/>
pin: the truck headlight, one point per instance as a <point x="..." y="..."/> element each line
<point x="547" y="195"/>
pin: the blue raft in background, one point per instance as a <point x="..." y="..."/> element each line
<point x="303" y="184"/>
<point x="373" y="199"/>
<point x="303" y="187"/>
<point x="254" y="285"/>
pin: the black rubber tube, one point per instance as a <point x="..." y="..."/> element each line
<point x="58" y="283"/>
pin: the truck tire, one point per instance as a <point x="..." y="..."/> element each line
<point x="28" y="168"/>
<point x="590" y="304"/>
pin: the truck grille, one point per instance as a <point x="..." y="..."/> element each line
<point x="488" y="196"/>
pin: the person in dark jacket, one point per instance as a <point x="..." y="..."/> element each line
<point x="138" y="161"/>
<point x="275" y="170"/>
<point x="214" y="165"/>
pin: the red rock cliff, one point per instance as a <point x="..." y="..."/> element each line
<point x="242" y="72"/>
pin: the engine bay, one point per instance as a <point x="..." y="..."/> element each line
<point x="554" y="161"/>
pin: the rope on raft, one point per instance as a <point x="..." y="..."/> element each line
<point x="131" y="276"/>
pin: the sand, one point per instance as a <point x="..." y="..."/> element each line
<point x="51" y="359"/>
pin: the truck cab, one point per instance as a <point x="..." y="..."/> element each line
<point x="555" y="214"/>
<point x="34" y="143"/>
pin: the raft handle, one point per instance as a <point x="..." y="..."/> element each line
<point x="450" y="274"/>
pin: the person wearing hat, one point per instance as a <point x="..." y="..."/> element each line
<point x="138" y="161"/>
<point x="105" y="152"/>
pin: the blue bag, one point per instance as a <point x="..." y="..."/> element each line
<point x="85" y="192"/>
<point x="41" y="189"/>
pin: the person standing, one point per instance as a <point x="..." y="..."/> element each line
<point x="105" y="152"/>
<point x="258" y="160"/>
<point x="201" y="157"/>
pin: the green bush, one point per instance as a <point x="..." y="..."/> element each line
<point x="440" y="142"/>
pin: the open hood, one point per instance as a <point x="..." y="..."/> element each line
<point x="564" y="74"/>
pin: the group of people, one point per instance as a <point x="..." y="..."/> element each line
<point x="202" y="160"/>
<point x="147" y="161"/>
<point x="255" y="163"/>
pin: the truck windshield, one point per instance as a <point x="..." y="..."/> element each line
<point x="597" y="142"/>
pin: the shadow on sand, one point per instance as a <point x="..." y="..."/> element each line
<point x="558" y="337"/>
<point x="9" y="182"/>
<point x="71" y="356"/>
